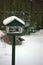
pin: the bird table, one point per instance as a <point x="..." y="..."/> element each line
<point x="14" y="27"/>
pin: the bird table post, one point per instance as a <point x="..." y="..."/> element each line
<point x="14" y="27"/>
<point x="13" y="50"/>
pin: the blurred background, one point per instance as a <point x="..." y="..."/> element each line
<point x="31" y="11"/>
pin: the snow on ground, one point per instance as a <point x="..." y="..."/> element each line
<point x="5" y="53"/>
<point x="29" y="53"/>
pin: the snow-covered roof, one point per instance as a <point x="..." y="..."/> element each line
<point x="11" y="18"/>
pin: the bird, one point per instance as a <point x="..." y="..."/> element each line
<point x="20" y="39"/>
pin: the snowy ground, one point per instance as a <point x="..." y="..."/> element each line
<point x="29" y="53"/>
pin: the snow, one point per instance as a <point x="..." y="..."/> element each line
<point x="1" y="33"/>
<point x="29" y="53"/>
<point x="11" y="18"/>
<point x="5" y="53"/>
